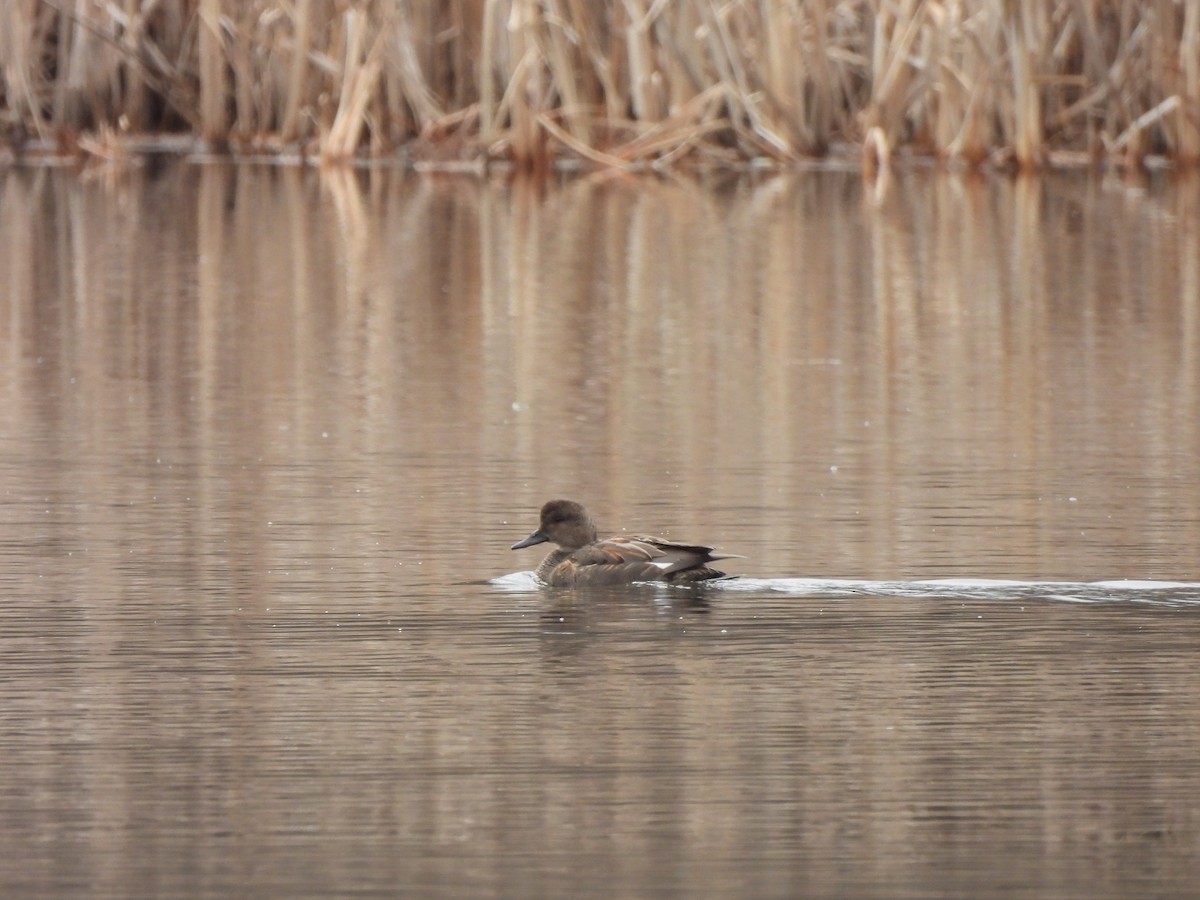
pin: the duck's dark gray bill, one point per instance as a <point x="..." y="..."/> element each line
<point x="536" y="538"/>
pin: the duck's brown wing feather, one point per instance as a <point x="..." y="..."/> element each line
<point x="636" y="558"/>
<point x="616" y="551"/>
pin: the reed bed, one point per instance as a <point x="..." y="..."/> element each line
<point x="622" y="83"/>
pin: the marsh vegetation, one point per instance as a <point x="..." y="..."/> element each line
<point x="630" y="83"/>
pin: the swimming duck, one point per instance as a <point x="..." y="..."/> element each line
<point x="582" y="558"/>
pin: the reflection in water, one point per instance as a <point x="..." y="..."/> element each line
<point x="266" y="434"/>
<point x="968" y="376"/>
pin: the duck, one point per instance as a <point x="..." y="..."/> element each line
<point x="583" y="559"/>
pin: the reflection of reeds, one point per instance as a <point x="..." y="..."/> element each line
<point x="633" y="82"/>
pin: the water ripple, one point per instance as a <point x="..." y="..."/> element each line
<point x="1155" y="593"/>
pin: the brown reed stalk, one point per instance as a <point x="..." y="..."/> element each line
<point x="295" y="92"/>
<point x="20" y="42"/>
<point x="1024" y="28"/>
<point x="1188" y="124"/>
<point x="643" y="75"/>
<point x="62" y="112"/>
<point x="726" y="51"/>
<point x="242" y="24"/>
<point x="672" y="66"/>
<point x="592" y="28"/>
<point x="896" y="29"/>
<point x="564" y="71"/>
<point x="877" y="154"/>
<point x="406" y="59"/>
<point x="798" y="75"/>
<point x="362" y="68"/>
<point x="488" y="66"/>
<point x="212" y="72"/>
<point x="526" y="92"/>
<point x="783" y="78"/>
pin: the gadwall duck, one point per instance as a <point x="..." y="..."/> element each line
<point x="582" y="558"/>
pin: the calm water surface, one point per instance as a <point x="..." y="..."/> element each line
<point x="266" y="436"/>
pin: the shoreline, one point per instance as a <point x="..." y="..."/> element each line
<point x="87" y="151"/>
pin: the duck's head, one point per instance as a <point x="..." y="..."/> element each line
<point x="563" y="522"/>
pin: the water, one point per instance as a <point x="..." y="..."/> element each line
<point x="266" y="436"/>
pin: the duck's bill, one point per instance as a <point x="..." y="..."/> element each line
<point x="536" y="538"/>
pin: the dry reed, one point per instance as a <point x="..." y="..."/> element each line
<point x="631" y="83"/>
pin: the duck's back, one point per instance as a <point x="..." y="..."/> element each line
<point x="625" y="560"/>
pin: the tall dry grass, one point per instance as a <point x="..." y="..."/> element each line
<point x="614" y="82"/>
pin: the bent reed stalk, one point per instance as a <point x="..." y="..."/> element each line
<point x="624" y="84"/>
